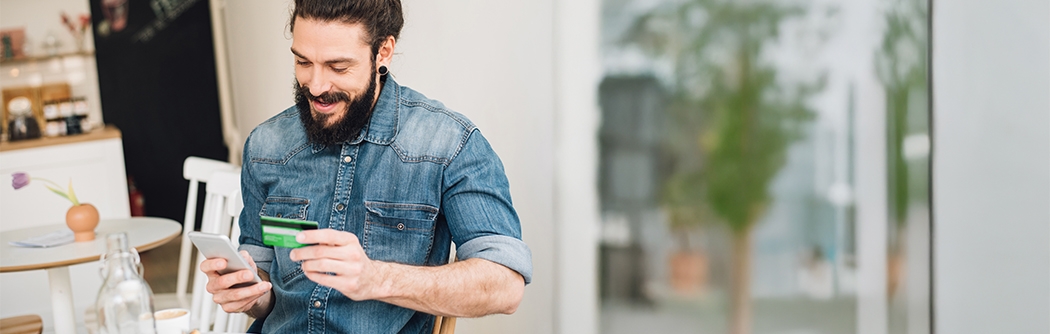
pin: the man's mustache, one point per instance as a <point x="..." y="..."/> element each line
<point x="326" y="97"/>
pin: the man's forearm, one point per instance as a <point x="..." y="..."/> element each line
<point x="469" y="288"/>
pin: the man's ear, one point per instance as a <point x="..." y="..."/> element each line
<point x="386" y="51"/>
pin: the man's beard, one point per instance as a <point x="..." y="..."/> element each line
<point x="356" y="116"/>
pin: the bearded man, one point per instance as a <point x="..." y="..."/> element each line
<point x="391" y="177"/>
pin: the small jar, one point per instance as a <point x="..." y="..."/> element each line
<point x="22" y="125"/>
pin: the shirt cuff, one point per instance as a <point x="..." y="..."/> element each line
<point x="263" y="256"/>
<point x="507" y="251"/>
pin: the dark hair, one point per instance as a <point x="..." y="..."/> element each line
<point x="381" y="18"/>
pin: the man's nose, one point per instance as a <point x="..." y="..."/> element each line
<point x="318" y="83"/>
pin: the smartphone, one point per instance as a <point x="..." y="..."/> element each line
<point x="219" y="246"/>
<point x="281" y="232"/>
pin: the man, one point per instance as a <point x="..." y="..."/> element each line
<point x="390" y="176"/>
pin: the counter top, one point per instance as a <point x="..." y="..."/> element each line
<point x="106" y="132"/>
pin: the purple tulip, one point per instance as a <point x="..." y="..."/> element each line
<point x="19" y="180"/>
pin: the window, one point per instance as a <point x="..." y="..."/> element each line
<point x="735" y="153"/>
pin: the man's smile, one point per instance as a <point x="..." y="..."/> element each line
<point x="324" y="108"/>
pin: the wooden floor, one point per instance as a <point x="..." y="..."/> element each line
<point x="161" y="267"/>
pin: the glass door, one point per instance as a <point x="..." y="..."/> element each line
<point x="764" y="167"/>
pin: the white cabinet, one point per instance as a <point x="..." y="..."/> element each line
<point x="95" y="163"/>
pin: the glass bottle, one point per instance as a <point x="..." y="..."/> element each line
<point x="125" y="301"/>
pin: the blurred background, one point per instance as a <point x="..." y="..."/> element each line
<point x="734" y="140"/>
<point x="679" y="166"/>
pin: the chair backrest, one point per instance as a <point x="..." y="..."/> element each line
<point x="222" y="207"/>
<point x="197" y="170"/>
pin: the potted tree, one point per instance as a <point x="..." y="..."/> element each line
<point x="741" y="114"/>
<point x="902" y="69"/>
<point x="683" y="202"/>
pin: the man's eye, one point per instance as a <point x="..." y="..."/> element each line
<point x="302" y="63"/>
<point x="340" y="69"/>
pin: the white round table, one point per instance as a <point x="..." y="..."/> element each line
<point x="144" y="233"/>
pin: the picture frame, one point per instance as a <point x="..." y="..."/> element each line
<point x="13" y="42"/>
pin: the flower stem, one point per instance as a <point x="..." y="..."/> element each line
<point x="46" y="180"/>
<point x="54" y="187"/>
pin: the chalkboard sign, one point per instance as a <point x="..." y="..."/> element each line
<point x="156" y="70"/>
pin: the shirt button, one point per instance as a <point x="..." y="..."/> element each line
<point x="347" y="159"/>
<point x="400" y="226"/>
<point x="317" y="303"/>
<point x="339" y="207"/>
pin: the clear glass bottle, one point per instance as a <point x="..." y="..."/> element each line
<point x="125" y="301"/>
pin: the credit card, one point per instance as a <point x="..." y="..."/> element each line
<point x="280" y="232"/>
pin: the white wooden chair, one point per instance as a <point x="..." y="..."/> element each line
<point x="197" y="170"/>
<point x="222" y="210"/>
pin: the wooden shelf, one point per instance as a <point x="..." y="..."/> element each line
<point x="106" y="132"/>
<point x="88" y="53"/>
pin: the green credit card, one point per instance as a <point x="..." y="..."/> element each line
<point x="281" y="232"/>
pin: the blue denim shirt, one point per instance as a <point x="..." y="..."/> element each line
<point x="418" y="177"/>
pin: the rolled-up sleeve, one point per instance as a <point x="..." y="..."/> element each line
<point x="510" y="252"/>
<point x="477" y="205"/>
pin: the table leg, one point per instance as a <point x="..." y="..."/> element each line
<point x="62" y="300"/>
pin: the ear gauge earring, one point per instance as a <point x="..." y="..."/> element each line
<point x="382" y="70"/>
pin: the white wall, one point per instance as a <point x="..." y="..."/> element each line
<point x="991" y="174"/>
<point x="576" y="122"/>
<point x="498" y="63"/>
<point x="493" y="62"/>
<point x="260" y="63"/>
<point x="41" y="18"/>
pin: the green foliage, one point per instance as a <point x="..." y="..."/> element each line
<point x="901" y="65"/>
<point x="733" y="118"/>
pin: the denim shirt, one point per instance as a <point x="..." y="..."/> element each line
<point x="417" y="178"/>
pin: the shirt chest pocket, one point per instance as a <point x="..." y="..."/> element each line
<point x="291" y="208"/>
<point x="395" y="232"/>
<point x="285" y="207"/>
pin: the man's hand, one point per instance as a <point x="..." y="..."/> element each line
<point x="235" y="300"/>
<point x="338" y="261"/>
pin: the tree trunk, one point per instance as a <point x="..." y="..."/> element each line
<point x="740" y="299"/>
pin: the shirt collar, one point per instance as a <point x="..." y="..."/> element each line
<point x="382" y="127"/>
